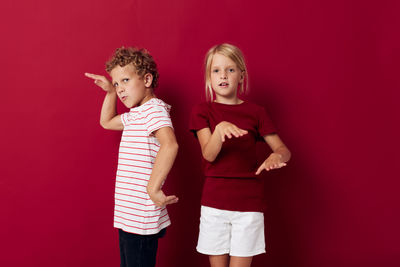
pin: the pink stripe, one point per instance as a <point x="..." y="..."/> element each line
<point x="145" y="123"/>
<point x="142" y="198"/>
<point x="136" y="160"/>
<point x="134" y="220"/>
<point x="136" y="154"/>
<point x="122" y="194"/>
<point x="135" y="203"/>
<point x="131" y="184"/>
<point x="159" y="127"/>
<point x="157" y="111"/>
<point x="138" y="130"/>
<point x="146" y="143"/>
<point x="133" y="178"/>
<point x="139" y="148"/>
<point x="129" y="189"/>
<point x="134" y="172"/>
<point x="156" y="118"/>
<point x="157" y="122"/>
<point x="148" y="168"/>
<point x="137" y="215"/>
<point x="142" y="228"/>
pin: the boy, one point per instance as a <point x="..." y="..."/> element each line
<point x="147" y="151"/>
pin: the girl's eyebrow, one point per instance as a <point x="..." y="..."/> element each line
<point x="229" y="66"/>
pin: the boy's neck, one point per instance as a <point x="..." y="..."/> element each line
<point x="147" y="98"/>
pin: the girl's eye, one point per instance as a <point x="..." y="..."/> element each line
<point x="115" y="84"/>
<point x="231" y="70"/>
<point x="215" y="70"/>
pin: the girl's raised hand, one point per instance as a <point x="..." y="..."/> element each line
<point x="228" y="129"/>
<point x="274" y="161"/>
<point x="101" y="81"/>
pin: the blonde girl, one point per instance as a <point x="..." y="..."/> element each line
<point x="227" y="128"/>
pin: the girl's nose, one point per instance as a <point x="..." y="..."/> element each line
<point x="223" y="75"/>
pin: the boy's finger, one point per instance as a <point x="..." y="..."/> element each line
<point x="94" y="76"/>
<point x="171" y="200"/>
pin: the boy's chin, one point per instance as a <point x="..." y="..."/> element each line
<point x="130" y="105"/>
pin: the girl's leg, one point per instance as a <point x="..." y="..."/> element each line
<point x="219" y="260"/>
<point x="240" y="261"/>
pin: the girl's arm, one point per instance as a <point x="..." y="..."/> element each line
<point x="278" y="157"/>
<point x="109" y="117"/>
<point x="162" y="165"/>
<point x="211" y="143"/>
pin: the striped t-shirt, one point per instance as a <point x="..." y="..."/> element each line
<point x="134" y="211"/>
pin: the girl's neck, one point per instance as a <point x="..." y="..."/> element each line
<point x="228" y="101"/>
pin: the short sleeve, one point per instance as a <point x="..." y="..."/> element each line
<point x="198" y="118"/>
<point x="265" y="125"/>
<point x="157" y="117"/>
<point x="125" y="117"/>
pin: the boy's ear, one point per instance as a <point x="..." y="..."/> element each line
<point x="148" y="79"/>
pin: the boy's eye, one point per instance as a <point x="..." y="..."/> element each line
<point x="231" y="70"/>
<point x="125" y="80"/>
<point x="115" y="84"/>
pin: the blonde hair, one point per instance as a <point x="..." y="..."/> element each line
<point x="235" y="55"/>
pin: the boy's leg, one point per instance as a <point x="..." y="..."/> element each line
<point x="139" y="250"/>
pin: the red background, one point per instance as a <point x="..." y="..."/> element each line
<point x="327" y="72"/>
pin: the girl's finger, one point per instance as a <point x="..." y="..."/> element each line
<point x="235" y="132"/>
<point x="259" y="170"/>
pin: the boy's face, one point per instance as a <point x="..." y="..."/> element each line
<point x="131" y="89"/>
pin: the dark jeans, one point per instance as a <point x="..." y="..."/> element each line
<point x="138" y="250"/>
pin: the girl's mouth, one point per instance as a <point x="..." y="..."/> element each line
<point x="224" y="84"/>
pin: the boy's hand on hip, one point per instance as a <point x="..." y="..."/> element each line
<point x="160" y="199"/>
<point x="101" y="81"/>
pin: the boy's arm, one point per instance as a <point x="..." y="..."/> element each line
<point x="211" y="144"/>
<point x="109" y="118"/>
<point x="278" y="157"/>
<point x="164" y="160"/>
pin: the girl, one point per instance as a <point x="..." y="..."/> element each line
<point x="227" y="127"/>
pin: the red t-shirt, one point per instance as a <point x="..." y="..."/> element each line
<point x="231" y="183"/>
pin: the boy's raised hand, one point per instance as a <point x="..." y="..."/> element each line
<point x="228" y="129"/>
<point x="101" y="81"/>
<point x="274" y="161"/>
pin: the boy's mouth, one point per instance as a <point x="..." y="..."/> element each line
<point x="123" y="98"/>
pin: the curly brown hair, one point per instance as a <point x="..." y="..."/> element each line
<point x="140" y="58"/>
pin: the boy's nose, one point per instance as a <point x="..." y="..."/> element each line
<point x="120" y="89"/>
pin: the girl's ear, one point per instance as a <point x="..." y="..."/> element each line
<point x="241" y="77"/>
<point x="148" y="79"/>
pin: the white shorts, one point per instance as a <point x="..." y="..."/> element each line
<point x="236" y="233"/>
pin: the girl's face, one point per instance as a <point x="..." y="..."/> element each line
<point x="225" y="77"/>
